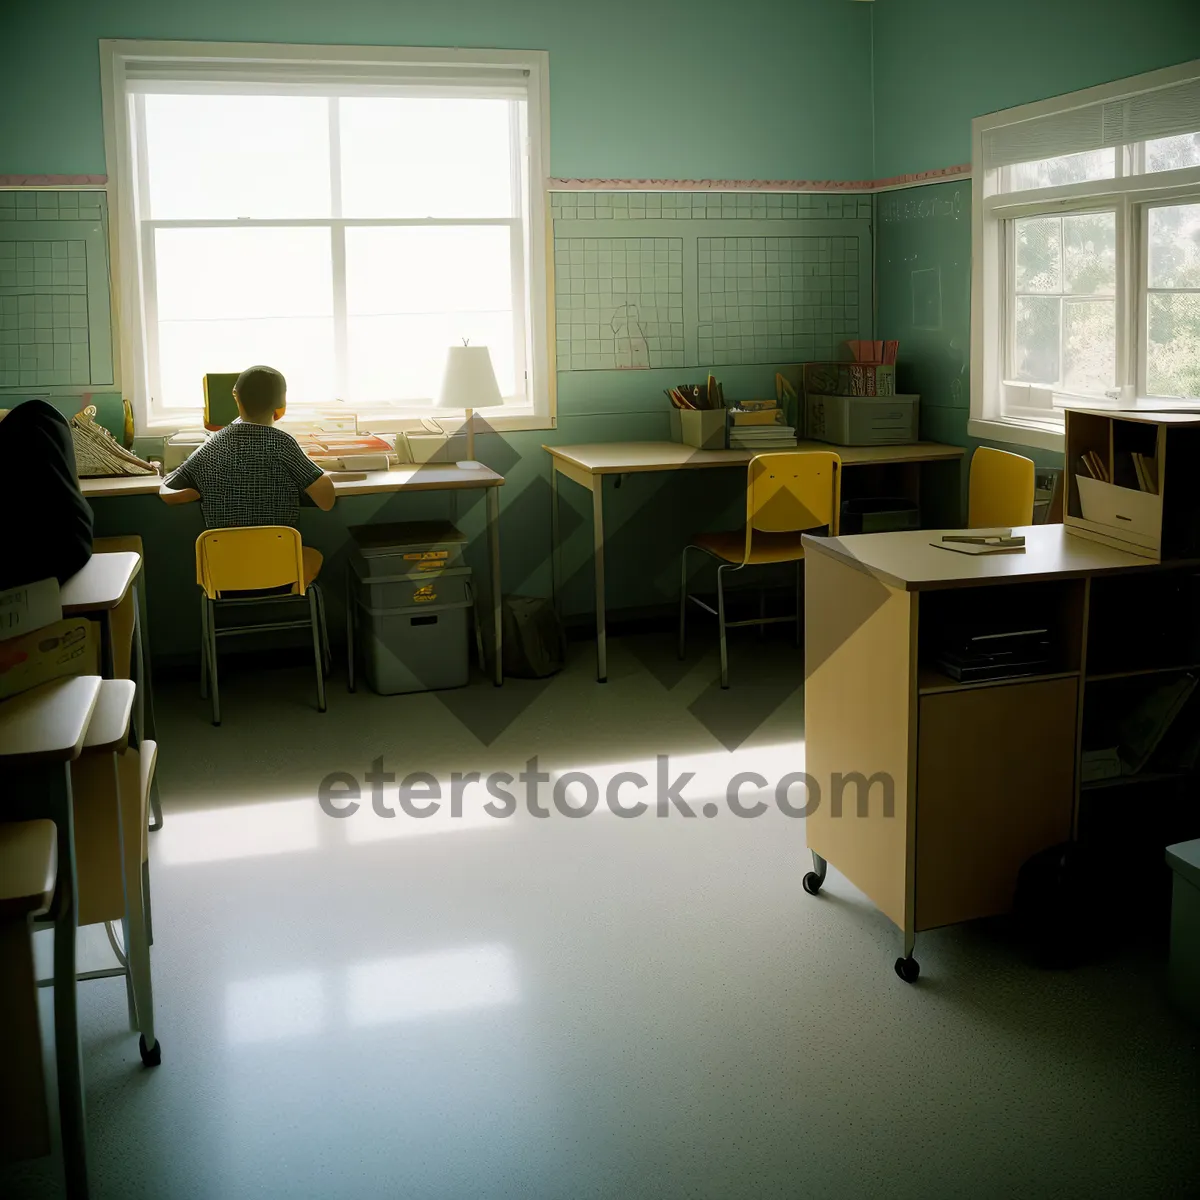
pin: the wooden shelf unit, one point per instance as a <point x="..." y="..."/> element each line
<point x="983" y="775"/>
<point x="1157" y="526"/>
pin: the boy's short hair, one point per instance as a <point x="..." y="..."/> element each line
<point x="260" y="390"/>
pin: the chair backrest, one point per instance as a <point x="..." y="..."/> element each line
<point x="249" y="558"/>
<point x="792" y="490"/>
<point x="1001" y="490"/>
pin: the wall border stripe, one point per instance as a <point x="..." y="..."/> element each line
<point x="848" y="187"/>
<point x="15" y="181"/>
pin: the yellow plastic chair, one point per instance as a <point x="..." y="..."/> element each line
<point x="261" y="564"/>
<point x="787" y="494"/>
<point x="1001" y="490"/>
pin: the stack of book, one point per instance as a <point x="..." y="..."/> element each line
<point x="758" y="425"/>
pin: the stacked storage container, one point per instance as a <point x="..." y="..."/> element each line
<point x="408" y="606"/>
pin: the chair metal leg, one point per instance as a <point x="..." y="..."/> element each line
<point x="203" y="646"/>
<point x="721" y="623"/>
<point x="799" y="612"/>
<point x="326" y="655"/>
<point x="683" y="599"/>
<point x="314" y="605"/>
<point x="212" y="660"/>
<point x="146" y="901"/>
<point x="72" y="1120"/>
<point x="350" y="643"/>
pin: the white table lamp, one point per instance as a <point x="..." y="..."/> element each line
<point x="469" y="382"/>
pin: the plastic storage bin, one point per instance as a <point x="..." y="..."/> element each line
<point x="416" y="589"/>
<point x="1184" y="861"/>
<point x="861" y="420"/>
<point x="884" y="514"/>
<point x="414" y="649"/>
<point x="408" y="606"/>
<point x="407" y="547"/>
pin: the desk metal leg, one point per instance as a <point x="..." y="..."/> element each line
<point x="67" y="1050"/>
<point x="493" y="520"/>
<point x="598" y="566"/>
<point x="107" y="649"/>
<point x="555" y="551"/>
<point x="145" y="708"/>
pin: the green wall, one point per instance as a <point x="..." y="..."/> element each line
<point x="703" y="90"/>
<point x="938" y="63"/>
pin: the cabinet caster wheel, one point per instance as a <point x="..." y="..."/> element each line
<point x="150" y="1058"/>
<point x="908" y="969"/>
<point x="812" y="883"/>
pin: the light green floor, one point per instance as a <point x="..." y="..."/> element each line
<point x="559" y="1008"/>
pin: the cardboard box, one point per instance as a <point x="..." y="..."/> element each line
<point x="68" y="647"/>
<point x="703" y="428"/>
<point x="28" y="607"/>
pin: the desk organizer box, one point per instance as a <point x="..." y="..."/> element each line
<point x="409" y="606"/>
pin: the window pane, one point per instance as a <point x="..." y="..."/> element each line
<point x="1089" y="345"/>
<point x="222" y="157"/>
<point x="1039" y="254"/>
<point x="1067" y="168"/>
<point x="1035" y="348"/>
<point x="1090" y="254"/>
<point x="1173" y="153"/>
<point x="228" y="298"/>
<point x="415" y="157"/>
<point x="1174" y="241"/>
<point x="300" y="347"/>
<point x="413" y="292"/>
<point x="1173" y="346"/>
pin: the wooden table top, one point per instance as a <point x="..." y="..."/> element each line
<point x="109" y="727"/>
<point x="102" y="584"/>
<point x="408" y="477"/>
<point x="619" y="458"/>
<point x="908" y="561"/>
<point x="47" y="723"/>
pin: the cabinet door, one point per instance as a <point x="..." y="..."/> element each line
<point x="995" y="784"/>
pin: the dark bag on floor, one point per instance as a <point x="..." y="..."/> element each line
<point x="1063" y="906"/>
<point x="534" y="643"/>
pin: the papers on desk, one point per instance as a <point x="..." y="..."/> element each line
<point x="982" y="541"/>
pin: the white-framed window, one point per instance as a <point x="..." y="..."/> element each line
<point x="1086" y="255"/>
<point x="344" y="214"/>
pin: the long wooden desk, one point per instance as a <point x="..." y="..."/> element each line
<point x="978" y="776"/>
<point x="588" y="464"/>
<point x="428" y="477"/>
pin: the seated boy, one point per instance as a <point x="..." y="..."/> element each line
<point x="251" y="473"/>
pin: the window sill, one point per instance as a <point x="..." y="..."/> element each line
<point x="1017" y="433"/>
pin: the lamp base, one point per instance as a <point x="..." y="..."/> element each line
<point x="469" y="464"/>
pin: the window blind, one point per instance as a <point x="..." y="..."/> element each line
<point x="1137" y="117"/>
<point x="322" y="78"/>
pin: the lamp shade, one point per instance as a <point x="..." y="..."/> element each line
<point x="468" y="380"/>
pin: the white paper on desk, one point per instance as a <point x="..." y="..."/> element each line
<point x="978" y="548"/>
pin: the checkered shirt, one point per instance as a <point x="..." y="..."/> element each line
<point x="248" y="475"/>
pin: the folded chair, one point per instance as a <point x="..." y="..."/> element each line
<point x="258" y="565"/>
<point x="787" y="494"/>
